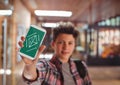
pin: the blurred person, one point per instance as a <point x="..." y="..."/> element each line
<point x="61" y="69"/>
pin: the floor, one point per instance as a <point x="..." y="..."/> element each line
<point x="106" y="82"/>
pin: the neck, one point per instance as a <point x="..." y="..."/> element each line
<point x="63" y="60"/>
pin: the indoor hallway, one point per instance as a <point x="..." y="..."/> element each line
<point x="98" y="22"/>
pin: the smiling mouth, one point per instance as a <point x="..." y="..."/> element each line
<point x="63" y="52"/>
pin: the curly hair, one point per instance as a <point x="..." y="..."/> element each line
<point x="65" y="29"/>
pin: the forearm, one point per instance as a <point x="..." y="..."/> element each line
<point x="30" y="72"/>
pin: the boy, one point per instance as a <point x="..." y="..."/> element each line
<point x="61" y="69"/>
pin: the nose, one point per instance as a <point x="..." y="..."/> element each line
<point x="65" y="46"/>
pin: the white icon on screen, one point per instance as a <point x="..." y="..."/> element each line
<point x="31" y="41"/>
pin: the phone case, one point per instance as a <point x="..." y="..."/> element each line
<point x="33" y="40"/>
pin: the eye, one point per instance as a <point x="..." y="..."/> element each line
<point x="60" y="42"/>
<point x="70" y="43"/>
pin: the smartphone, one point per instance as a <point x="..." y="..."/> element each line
<point x="33" y="40"/>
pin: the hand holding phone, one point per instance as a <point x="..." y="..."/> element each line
<point x="33" y="40"/>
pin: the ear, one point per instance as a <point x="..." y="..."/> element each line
<point x="52" y="44"/>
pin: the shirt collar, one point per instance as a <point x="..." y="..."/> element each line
<point x="56" y="61"/>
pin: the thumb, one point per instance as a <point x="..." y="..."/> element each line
<point x="41" y="49"/>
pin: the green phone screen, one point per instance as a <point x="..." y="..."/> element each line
<point x="32" y="42"/>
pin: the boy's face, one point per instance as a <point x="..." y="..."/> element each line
<point x="64" y="46"/>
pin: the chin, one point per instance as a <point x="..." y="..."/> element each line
<point x="66" y="56"/>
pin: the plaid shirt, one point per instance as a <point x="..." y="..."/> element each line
<point x="50" y="73"/>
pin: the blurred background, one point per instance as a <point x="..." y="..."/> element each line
<point x="98" y="22"/>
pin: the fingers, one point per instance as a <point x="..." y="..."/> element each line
<point x="21" y="41"/>
<point x="41" y="49"/>
<point x="22" y="38"/>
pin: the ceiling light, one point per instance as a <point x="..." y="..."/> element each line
<point x="53" y="13"/>
<point x="5" y="12"/>
<point x="49" y="25"/>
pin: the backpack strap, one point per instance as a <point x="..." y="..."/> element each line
<point x="81" y="68"/>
